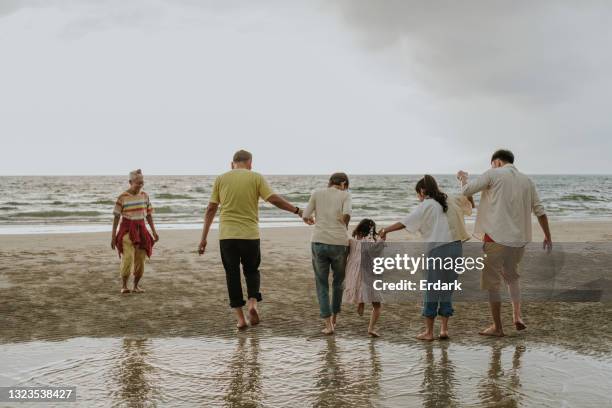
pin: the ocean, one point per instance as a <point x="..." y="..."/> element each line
<point x="49" y="204"/>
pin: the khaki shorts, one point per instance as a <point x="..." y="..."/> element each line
<point x="133" y="258"/>
<point x="501" y="262"/>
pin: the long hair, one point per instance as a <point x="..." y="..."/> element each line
<point x="365" y="228"/>
<point x="429" y="187"/>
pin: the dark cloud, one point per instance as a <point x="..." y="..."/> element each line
<point x="540" y="51"/>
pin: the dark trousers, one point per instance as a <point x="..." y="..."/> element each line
<point x="246" y="252"/>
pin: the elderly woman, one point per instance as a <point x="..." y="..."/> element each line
<point x="331" y="207"/>
<point x="133" y="240"/>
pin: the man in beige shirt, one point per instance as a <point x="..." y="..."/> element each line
<point x="503" y="222"/>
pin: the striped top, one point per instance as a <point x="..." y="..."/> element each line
<point x="133" y="207"/>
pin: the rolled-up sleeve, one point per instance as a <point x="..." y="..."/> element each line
<point x="347" y="206"/>
<point x="482" y="182"/>
<point x="536" y="204"/>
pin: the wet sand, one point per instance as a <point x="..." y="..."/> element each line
<point x="65" y="323"/>
<point x="55" y="287"/>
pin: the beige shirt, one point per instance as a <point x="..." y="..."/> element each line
<point x="458" y="207"/>
<point x="329" y="205"/>
<point x="508" y="198"/>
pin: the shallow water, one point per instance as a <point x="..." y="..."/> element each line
<point x="257" y="370"/>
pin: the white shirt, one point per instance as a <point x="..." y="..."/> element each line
<point x="508" y="198"/>
<point x="329" y="206"/>
<point x="429" y="219"/>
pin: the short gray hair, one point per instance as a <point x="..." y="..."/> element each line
<point x="135" y="173"/>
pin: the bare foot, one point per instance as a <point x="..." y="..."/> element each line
<point x="327" y="331"/>
<point x="492" y="331"/>
<point x="443" y="335"/>
<point x="520" y="325"/>
<point x="138" y="289"/>
<point x="242" y="325"/>
<point x="373" y="333"/>
<point x="125" y="290"/>
<point x="425" y="336"/>
<point x="253" y="317"/>
<point x="360" y="309"/>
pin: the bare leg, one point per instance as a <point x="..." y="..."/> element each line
<point x="334" y="319"/>
<point x="376" y="308"/>
<point x="428" y="333"/>
<point x="253" y="314"/>
<point x="496" y="329"/>
<point x="360" y="308"/>
<point x="241" y="321"/>
<point x="137" y="277"/>
<point x="329" y="326"/>
<point x="515" y="296"/>
<point x="124" y="280"/>
<point x="443" y="327"/>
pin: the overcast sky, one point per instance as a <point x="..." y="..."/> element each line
<point x="176" y="86"/>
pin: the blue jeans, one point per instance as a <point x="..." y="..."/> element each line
<point x="439" y="302"/>
<point x="325" y="256"/>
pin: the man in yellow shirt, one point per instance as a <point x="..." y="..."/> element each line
<point x="238" y="192"/>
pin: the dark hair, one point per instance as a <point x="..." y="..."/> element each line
<point x="337" y="179"/>
<point x="242" y="156"/>
<point x="429" y="187"/>
<point x="365" y="228"/>
<point x="503" y="155"/>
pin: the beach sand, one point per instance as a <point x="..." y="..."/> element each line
<point x="55" y="287"/>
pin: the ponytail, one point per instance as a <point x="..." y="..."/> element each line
<point x="429" y="187"/>
<point x="365" y="228"/>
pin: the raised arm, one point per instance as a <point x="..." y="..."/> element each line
<point x="209" y="217"/>
<point x="470" y="188"/>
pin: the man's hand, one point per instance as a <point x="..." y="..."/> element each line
<point x="309" y="220"/>
<point x="547" y="245"/>
<point x="300" y="213"/>
<point x="202" y="247"/>
<point x="155" y="236"/>
<point x="462" y="176"/>
<point x="113" y="242"/>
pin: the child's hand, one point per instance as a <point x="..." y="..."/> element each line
<point x="382" y="234"/>
<point x="155" y="236"/>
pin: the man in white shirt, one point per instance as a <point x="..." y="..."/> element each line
<point x="503" y="222"/>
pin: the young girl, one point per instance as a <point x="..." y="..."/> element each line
<point x="355" y="290"/>
<point x="440" y="220"/>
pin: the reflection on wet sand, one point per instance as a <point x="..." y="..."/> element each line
<point x="501" y="386"/>
<point x="342" y="383"/>
<point x="132" y="374"/>
<point x="439" y="380"/>
<point x="244" y="374"/>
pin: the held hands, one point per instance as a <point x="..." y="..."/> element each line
<point x="382" y="234"/>
<point x="462" y="176"/>
<point x="300" y="212"/>
<point x="202" y="247"/>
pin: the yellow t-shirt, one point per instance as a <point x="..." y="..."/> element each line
<point x="237" y="192"/>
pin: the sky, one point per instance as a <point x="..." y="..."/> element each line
<point x="309" y="87"/>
